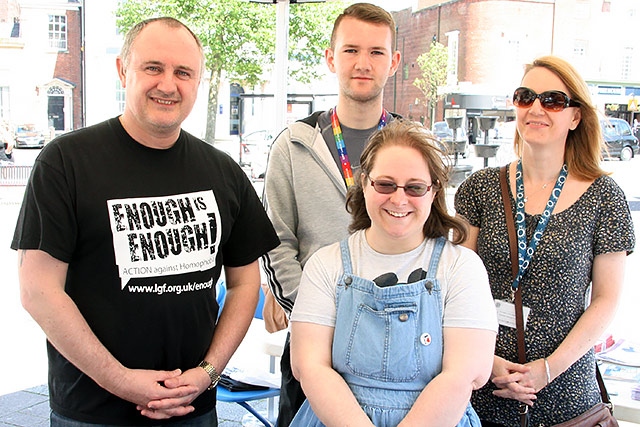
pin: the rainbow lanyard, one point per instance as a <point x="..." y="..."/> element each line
<point x="342" y="149"/>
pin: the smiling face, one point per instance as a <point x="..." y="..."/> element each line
<point x="362" y="58"/>
<point x="161" y="79"/>
<point x="539" y="127"/>
<point x="397" y="219"/>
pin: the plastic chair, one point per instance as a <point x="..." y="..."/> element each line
<point x="221" y="292"/>
<point x="242" y="397"/>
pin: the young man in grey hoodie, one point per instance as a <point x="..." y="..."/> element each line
<point x="312" y="162"/>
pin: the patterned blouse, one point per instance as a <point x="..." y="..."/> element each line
<point x="555" y="286"/>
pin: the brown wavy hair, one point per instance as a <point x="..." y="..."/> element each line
<point x="582" y="152"/>
<point x="408" y="134"/>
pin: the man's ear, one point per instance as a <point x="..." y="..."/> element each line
<point x="395" y="62"/>
<point x="329" y="58"/>
<point x="122" y="72"/>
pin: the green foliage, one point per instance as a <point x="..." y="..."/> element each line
<point x="239" y="36"/>
<point x="434" y="65"/>
<point x="310" y="28"/>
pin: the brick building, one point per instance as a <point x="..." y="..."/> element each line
<point x="41" y="64"/>
<point x="489" y="41"/>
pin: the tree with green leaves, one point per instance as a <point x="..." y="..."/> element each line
<point x="238" y="38"/>
<point x="434" y="66"/>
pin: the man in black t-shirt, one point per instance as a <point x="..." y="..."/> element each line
<point x="125" y="229"/>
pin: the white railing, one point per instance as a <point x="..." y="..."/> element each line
<point x="14" y="174"/>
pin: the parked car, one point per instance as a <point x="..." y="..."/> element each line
<point x="254" y="150"/>
<point x="28" y="135"/>
<point x="619" y="139"/>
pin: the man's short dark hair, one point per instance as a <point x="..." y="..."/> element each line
<point x="369" y="13"/>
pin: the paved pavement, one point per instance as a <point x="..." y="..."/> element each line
<point x="30" y="408"/>
<point x="23" y="397"/>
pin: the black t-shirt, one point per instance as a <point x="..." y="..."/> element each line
<point x="145" y="233"/>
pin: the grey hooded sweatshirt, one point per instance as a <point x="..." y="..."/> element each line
<point x="305" y="196"/>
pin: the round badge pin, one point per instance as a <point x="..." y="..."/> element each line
<point x="425" y="339"/>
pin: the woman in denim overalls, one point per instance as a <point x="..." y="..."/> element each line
<point x="373" y="350"/>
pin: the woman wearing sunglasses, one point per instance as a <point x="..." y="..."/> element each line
<point x="574" y="229"/>
<point x="395" y="325"/>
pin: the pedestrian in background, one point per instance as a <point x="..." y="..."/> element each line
<point x="123" y="234"/>
<point x="395" y="325"/>
<point x="6" y="153"/>
<point x="313" y="162"/>
<point x="574" y="232"/>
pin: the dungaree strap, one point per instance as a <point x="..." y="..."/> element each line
<point x="435" y="258"/>
<point x="346" y="256"/>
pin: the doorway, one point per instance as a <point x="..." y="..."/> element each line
<point x="55" y="112"/>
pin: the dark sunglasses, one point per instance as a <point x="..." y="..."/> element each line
<point x="415" y="189"/>
<point x="551" y="100"/>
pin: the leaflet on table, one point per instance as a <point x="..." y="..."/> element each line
<point x="253" y="376"/>
<point x="623" y="352"/>
<point x="620" y="372"/>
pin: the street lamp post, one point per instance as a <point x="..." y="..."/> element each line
<point x="281" y="69"/>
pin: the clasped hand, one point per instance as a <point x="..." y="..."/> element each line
<point x="163" y="394"/>
<point x="518" y="382"/>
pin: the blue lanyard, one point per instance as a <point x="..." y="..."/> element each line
<point x="525" y="252"/>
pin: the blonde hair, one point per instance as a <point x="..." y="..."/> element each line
<point x="582" y="152"/>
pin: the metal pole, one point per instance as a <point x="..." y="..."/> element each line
<point x="282" y="54"/>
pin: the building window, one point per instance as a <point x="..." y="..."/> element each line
<point x="580" y="48"/>
<point x="453" y="38"/>
<point x="514" y="50"/>
<point x="119" y="96"/>
<point x="581" y="10"/>
<point x="627" y="63"/>
<point x="58" y="32"/>
<point x="4" y="103"/>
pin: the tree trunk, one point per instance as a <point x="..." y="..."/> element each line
<point x="212" y="105"/>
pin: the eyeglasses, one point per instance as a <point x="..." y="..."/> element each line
<point x="415" y="189"/>
<point x="551" y="100"/>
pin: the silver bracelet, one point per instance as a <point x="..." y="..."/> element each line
<point x="546" y="367"/>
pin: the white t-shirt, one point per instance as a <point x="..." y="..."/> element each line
<point x="466" y="296"/>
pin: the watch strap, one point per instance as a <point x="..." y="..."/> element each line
<point x="211" y="371"/>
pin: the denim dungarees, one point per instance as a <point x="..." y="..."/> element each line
<point x="387" y="343"/>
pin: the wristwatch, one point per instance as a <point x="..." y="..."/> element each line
<point x="211" y="371"/>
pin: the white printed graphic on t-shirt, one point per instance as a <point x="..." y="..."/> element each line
<point x="156" y="236"/>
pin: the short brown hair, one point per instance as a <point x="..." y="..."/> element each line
<point x="134" y="32"/>
<point x="408" y="134"/>
<point x="366" y="12"/>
